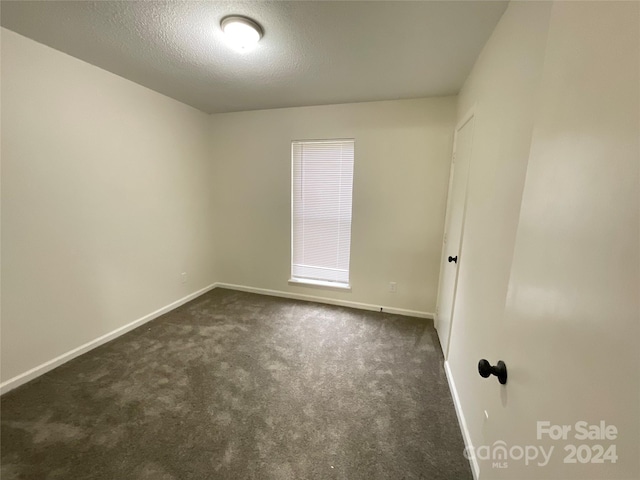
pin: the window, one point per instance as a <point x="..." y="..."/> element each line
<point x="322" y="185"/>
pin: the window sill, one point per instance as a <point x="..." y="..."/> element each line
<point x="320" y="284"/>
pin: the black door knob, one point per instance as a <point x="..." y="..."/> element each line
<point x="500" y="370"/>
<point x="453" y="259"/>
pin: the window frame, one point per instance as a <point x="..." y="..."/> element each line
<point x="310" y="282"/>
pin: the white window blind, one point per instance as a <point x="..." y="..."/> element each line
<point x="322" y="177"/>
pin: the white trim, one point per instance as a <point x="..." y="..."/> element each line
<point x="65" y="357"/>
<point x="445" y="343"/>
<point x="324" y="140"/>
<point x="467" y="116"/>
<point x="330" y="301"/>
<point x="319" y="283"/>
<point x="473" y="461"/>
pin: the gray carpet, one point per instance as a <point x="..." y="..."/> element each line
<point x="240" y="386"/>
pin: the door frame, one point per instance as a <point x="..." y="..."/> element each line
<point x="471" y="113"/>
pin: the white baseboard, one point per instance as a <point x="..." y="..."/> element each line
<point x="475" y="468"/>
<point x="329" y="301"/>
<point x="65" y="357"/>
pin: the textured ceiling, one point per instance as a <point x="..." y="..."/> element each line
<point x="312" y="53"/>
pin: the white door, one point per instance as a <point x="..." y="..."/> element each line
<point x="572" y="314"/>
<point x="456" y="206"/>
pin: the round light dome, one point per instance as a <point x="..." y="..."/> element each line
<point x="242" y="32"/>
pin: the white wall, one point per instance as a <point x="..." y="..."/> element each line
<point x="105" y="201"/>
<point x="502" y="89"/>
<point x="403" y="152"/>
<point x="554" y="187"/>
<point x="110" y="191"/>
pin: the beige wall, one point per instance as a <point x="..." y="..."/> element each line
<point x="549" y="275"/>
<point x="105" y="201"/>
<point x="502" y="89"/>
<point x="110" y="191"/>
<point x="402" y="158"/>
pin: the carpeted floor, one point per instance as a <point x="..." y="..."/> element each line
<point x="235" y="385"/>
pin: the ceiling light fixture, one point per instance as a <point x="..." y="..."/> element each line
<point x="242" y="32"/>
